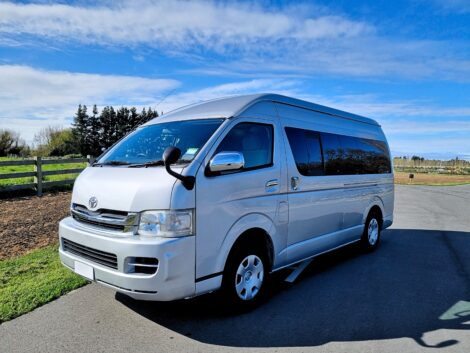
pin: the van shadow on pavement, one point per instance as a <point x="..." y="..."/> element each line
<point x="416" y="282"/>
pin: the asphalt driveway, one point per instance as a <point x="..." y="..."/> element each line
<point x="410" y="295"/>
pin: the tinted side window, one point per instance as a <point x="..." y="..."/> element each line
<point x="354" y="158"/>
<point x="347" y="155"/>
<point x="376" y="157"/>
<point x="306" y="148"/>
<point x="333" y="154"/>
<point x="254" y="141"/>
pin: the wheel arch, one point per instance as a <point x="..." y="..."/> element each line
<point x="375" y="205"/>
<point x="253" y="227"/>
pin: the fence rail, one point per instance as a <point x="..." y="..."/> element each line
<point x="39" y="184"/>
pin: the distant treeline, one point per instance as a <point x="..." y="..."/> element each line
<point x="98" y="131"/>
<point x="417" y="161"/>
<point x="89" y="135"/>
<point x="416" y="164"/>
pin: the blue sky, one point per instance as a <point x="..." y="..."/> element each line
<point x="404" y="63"/>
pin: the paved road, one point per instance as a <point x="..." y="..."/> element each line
<point x="413" y="293"/>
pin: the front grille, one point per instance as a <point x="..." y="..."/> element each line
<point x="106" y="219"/>
<point x="97" y="223"/>
<point x="104" y="258"/>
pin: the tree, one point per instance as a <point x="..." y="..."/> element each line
<point x="55" y="141"/>
<point x="101" y="130"/>
<point x="80" y="128"/>
<point x="123" y="123"/>
<point x="147" y="116"/>
<point x="107" y="127"/>
<point x="12" y="144"/>
<point x="63" y="143"/>
<point x="94" y="131"/>
<point x="133" y="117"/>
<point x="43" y="137"/>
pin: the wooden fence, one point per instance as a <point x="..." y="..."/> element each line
<point x="39" y="184"/>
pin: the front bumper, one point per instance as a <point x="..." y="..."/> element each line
<point x="174" y="279"/>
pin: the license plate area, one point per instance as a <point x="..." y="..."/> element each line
<point x="84" y="270"/>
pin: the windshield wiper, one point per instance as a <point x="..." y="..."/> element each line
<point x="110" y="163"/>
<point x="156" y="163"/>
<point x="183" y="161"/>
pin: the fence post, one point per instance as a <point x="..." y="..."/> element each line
<point x="38" y="176"/>
<point x="90" y="159"/>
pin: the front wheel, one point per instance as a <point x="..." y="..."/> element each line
<point x="245" y="277"/>
<point x="371" y="236"/>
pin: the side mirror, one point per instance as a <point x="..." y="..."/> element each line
<point x="226" y="161"/>
<point x="169" y="157"/>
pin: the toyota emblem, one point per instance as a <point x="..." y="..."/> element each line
<point x="93" y="202"/>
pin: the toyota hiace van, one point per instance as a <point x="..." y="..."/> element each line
<point x="222" y="193"/>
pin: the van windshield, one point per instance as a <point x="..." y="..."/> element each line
<point x="145" y="146"/>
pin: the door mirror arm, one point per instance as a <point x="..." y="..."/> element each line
<point x="170" y="156"/>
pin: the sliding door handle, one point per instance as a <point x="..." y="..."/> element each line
<point x="294" y="183"/>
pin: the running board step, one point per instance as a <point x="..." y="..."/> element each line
<point x="297" y="270"/>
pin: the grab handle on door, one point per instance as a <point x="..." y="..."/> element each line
<point x="294" y="183"/>
<point x="271" y="183"/>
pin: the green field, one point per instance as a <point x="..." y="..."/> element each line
<point x="31" y="280"/>
<point x="431" y="179"/>
<point x="30" y="168"/>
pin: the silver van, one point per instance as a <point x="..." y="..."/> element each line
<point x="219" y="195"/>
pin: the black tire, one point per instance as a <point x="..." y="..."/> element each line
<point x="371" y="236"/>
<point x="257" y="256"/>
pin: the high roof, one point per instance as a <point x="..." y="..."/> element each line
<point x="233" y="106"/>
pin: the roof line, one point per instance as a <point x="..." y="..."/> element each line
<point x="235" y="105"/>
<point x="371" y="122"/>
<point x="299" y="103"/>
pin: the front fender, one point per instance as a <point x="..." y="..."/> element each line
<point x="243" y="224"/>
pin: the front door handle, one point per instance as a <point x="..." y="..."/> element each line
<point x="294" y="183"/>
<point x="271" y="183"/>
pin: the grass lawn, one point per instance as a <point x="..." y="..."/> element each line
<point x="31" y="280"/>
<point x="431" y="179"/>
<point x="30" y="168"/>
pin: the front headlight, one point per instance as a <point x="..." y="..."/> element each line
<point x="168" y="223"/>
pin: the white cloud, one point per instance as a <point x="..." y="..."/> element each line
<point x="411" y="126"/>
<point x="31" y="99"/>
<point x="228" y="89"/>
<point x="239" y="36"/>
<point x="179" y="23"/>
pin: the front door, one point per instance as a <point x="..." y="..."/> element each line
<point x="225" y="199"/>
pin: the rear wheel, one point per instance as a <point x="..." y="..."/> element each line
<point x="371" y="235"/>
<point x="245" y="276"/>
